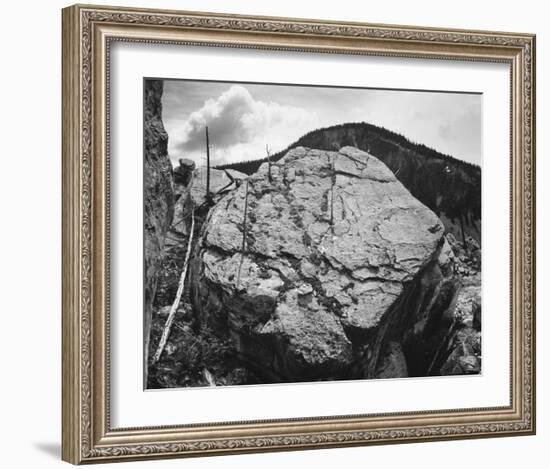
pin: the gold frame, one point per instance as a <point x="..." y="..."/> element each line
<point x="87" y="34"/>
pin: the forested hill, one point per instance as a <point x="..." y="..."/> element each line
<point x="450" y="187"/>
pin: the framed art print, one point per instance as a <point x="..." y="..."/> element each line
<point x="288" y="234"/>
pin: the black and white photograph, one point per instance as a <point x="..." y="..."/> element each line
<point x="300" y="233"/>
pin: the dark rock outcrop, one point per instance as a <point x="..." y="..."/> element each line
<point x="343" y="272"/>
<point x="158" y="194"/>
<point x="438" y="322"/>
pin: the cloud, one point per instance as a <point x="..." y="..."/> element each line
<point x="243" y="118"/>
<point x="239" y="127"/>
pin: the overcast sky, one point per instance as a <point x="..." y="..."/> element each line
<point x="243" y="118"/>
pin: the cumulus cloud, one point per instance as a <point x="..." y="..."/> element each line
<point x="239" y="127"/>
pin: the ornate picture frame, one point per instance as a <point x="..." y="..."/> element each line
<point x="88" y="34"/>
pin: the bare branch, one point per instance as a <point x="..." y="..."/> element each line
<point x="207" y="166"/>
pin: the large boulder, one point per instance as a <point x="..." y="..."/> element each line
<point x="332" y="245"/>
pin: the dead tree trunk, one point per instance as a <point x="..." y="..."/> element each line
<point x="462" y="230"/>
<point x="175" y="304"/>
<point x="207" y="167"/>
<point x="268" y="163"/>
<point x="333" y="182"/>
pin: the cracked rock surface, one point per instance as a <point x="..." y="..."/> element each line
<point x="332" y="241"/>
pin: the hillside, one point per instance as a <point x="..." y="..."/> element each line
<point x="448" y="186"/>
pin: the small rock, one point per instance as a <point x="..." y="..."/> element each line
<point x="465" y="357"/>
<point x="304" y="289"/>
<point x="184" y="172"/>
<point x="393" y="363"/>
<point x="164" y="311"/>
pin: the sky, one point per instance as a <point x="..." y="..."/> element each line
<point x="243" y="118"/>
